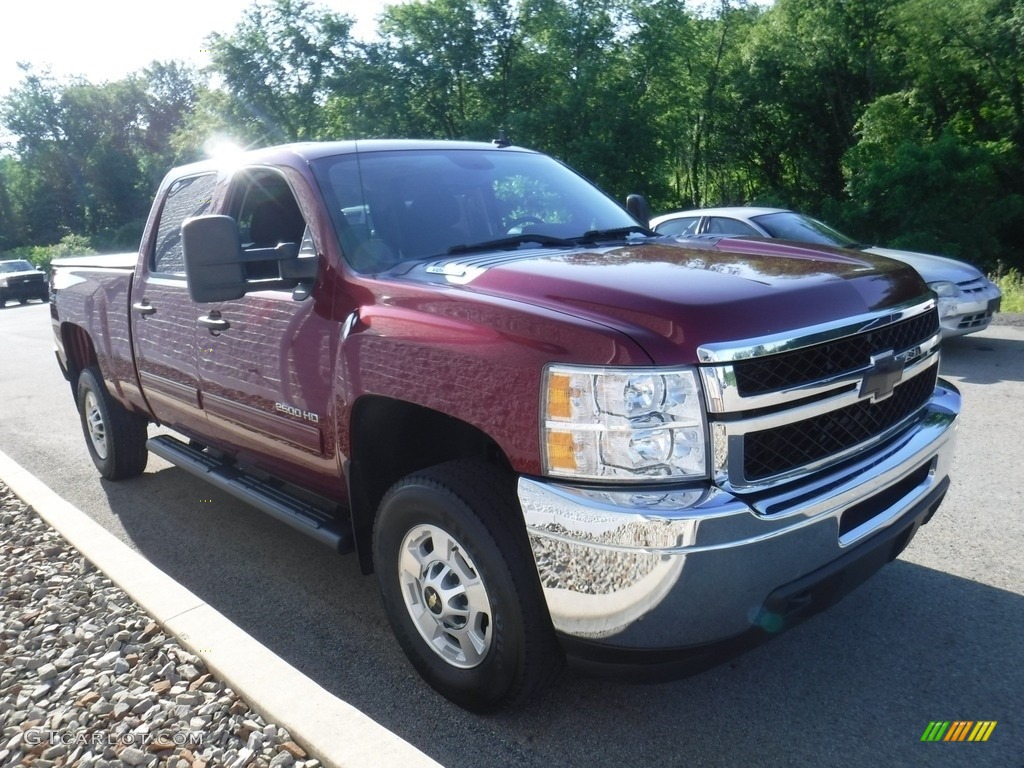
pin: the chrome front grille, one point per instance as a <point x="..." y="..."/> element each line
<point x="771" y="452"/>
<point x="26" y="280"/>
<point x="792" y="369"/>
<point x="785" y="406"/>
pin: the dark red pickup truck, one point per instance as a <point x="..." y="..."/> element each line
<point x="548" y="431"/>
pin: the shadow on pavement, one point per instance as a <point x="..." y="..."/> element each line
<point x="983" y="359"/>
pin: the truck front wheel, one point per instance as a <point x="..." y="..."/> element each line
<point x="460" y="588"/>
<point x="116" y="437"/>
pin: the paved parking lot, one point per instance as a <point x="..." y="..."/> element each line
<point x="936" y="635"/>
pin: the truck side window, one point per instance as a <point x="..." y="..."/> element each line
<point x="191" y="196"/>
<point x="267" y="215"/>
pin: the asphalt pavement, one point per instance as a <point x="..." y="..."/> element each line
<point x="937" y="635"/>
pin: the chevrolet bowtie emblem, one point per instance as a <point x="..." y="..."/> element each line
<point x="883" y="376"/>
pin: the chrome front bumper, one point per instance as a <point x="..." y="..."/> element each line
<point x="655" y="569"/>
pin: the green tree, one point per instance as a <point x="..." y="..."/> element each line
<point x="435" y="54"/>
<point x="689" y="63"/>
<point x="45" y="180"/>
<point x="279" y="67"/>
<point x="9" y="224"/>
<point x="939" y="197"/>
<point x="88" y="156"/>
<point x="172" y="93"/>
<point x="950" y="138"/>
<point x="577" y="94"/>
<point x="976" y="85"/>
<point x="809" y="70"/>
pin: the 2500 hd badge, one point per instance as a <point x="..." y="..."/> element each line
<point x="293" y="411"/>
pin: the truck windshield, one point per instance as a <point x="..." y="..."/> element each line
<point x="18" y="265"/>
<point x="396" y="206"/>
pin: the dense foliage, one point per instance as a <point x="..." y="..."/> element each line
<point x="899" y="121"/>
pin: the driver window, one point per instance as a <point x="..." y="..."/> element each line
<point x="267" y="212"/>
<point x="267" y="215"/>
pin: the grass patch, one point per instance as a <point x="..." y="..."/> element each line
<point x="1012" y="286"/>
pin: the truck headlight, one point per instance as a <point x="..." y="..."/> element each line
<point x="639" y="424"/>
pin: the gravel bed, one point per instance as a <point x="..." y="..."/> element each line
<point x="88" y="679"/>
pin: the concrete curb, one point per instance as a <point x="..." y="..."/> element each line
<point x="336" y="733"/>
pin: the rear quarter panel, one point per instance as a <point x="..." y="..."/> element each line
<point x="93" y="294"/>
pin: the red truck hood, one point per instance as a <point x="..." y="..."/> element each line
<point x="672" y="296"/>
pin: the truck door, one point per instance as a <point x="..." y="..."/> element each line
<point x="163" y="316"/>
<point x="266" y="360"/>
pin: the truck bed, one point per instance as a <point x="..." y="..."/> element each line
<point x="90" y="297"/>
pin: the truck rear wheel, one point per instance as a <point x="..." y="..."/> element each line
<point x="467" y="611"/>
<point x="116" y="438"/>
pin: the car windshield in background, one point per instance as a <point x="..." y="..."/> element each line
<point x="18" y="265"/>
<point x="795" y="226"/>
<point x="391" y="207"/>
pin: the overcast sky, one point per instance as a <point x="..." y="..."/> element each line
<point x="104" y="40"/>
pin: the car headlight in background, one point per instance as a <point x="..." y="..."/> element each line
<point x="944" y="289"/>
<point x="638" y="424"/>
<point x="947" y="292"/>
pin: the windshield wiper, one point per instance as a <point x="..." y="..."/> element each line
<point x="615" y="234"/>
<point x="509" y="243"/>
<point x="514" y="241"/>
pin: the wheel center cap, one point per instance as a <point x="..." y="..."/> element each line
<point x="433" y="600"/>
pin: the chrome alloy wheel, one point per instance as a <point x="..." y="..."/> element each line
<point x="445" y="596"/>
<point x="94" y="422"/>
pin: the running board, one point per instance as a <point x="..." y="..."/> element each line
<point x="311" y="520"/>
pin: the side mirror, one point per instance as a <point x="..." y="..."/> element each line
<point x="213" y="258"/>
<point x="218" y="269"/>
<point x="638" y="207"/>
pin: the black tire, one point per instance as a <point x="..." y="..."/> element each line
<point x="23" y="302"/>
<point x="116" y="437"/>
<point x="470" y="506"/>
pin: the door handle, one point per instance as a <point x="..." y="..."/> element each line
<point x="143" y="307"/>
<point x="214" y="322"/>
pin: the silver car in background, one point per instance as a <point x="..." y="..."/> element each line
<point x="967" y="299"/>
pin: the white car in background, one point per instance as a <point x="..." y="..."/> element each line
<point x="967" y="299"/>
